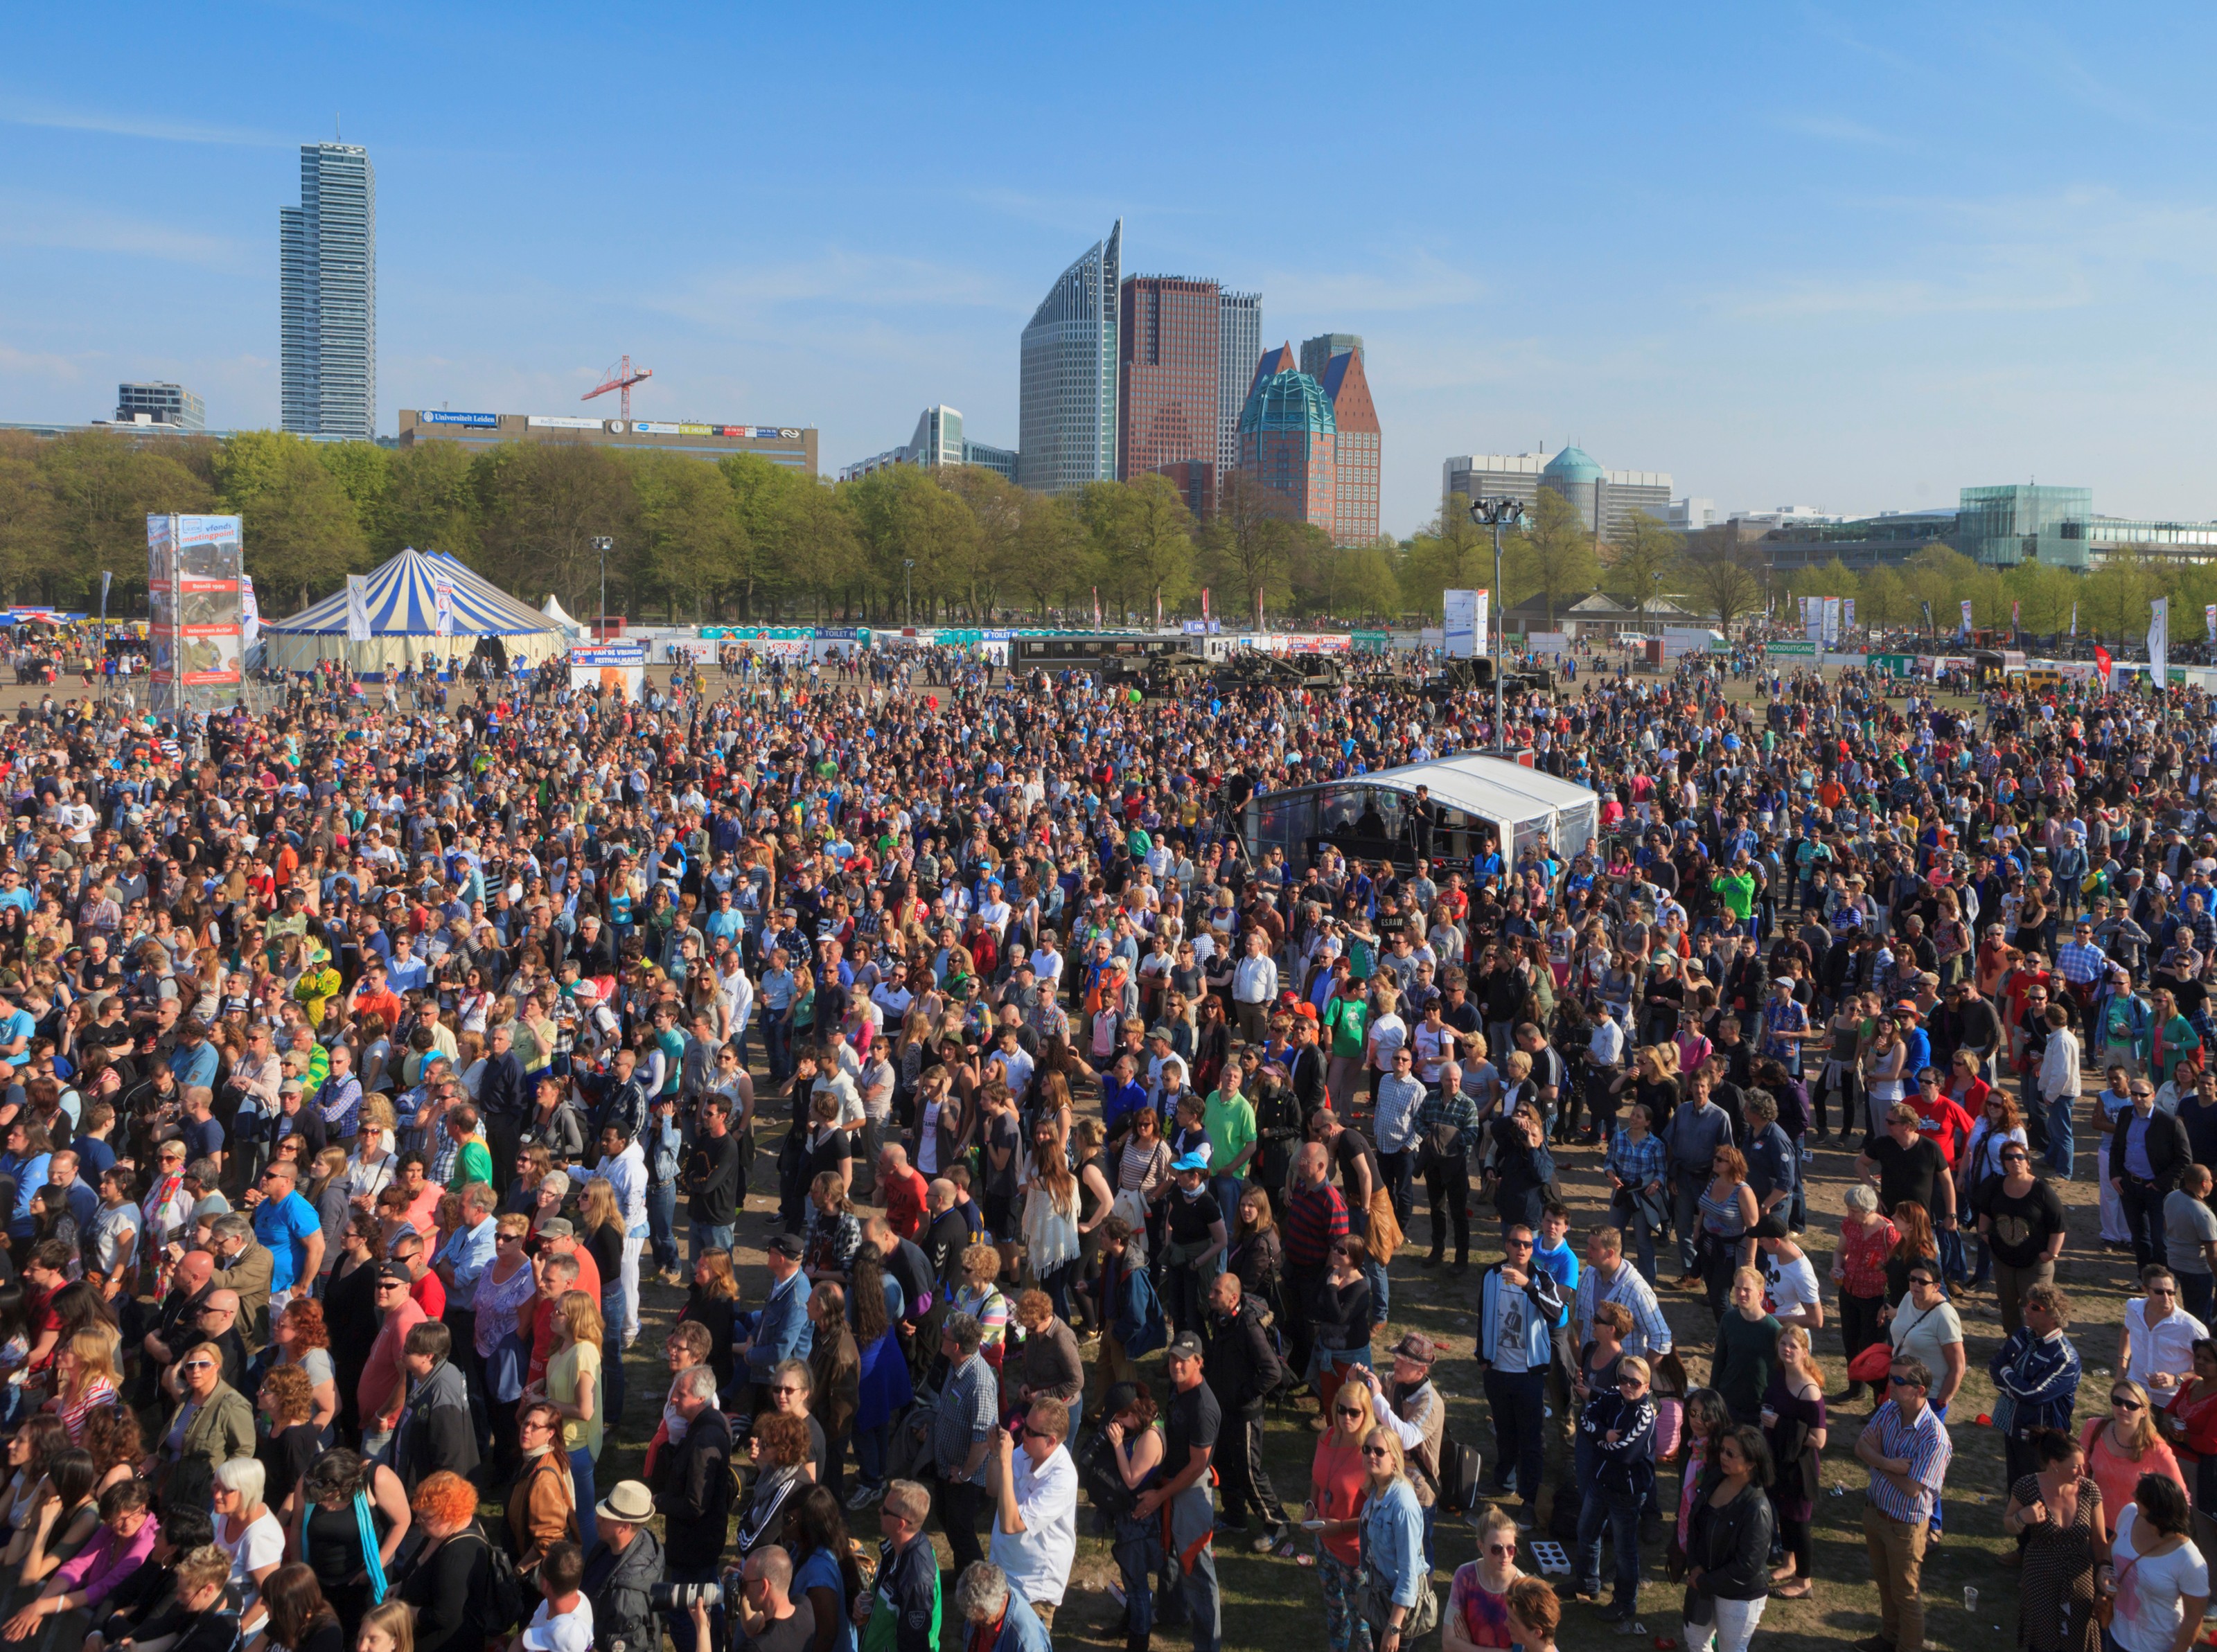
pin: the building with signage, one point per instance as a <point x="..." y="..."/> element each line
<point x="327" y="283"/>
<point x="1066" y="407"/>
<point x="1288" y="439"/>
<point x="793" y="446"/>
<point x="171" y="404"/>
<point x="1605" y="499"/>
<point x="939" y="440"/>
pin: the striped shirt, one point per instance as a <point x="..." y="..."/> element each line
<point x="1925" y="1446"/>
<point x="1650" y="1335"/>
<point x="1315" y="1217"/>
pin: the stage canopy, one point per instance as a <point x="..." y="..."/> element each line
<point x="404" y="622"/>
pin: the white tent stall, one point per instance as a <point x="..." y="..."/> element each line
<point x="1475" y="799"/>
<point x="402" y="599"/>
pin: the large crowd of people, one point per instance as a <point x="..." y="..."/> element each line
<point x="366" y="1059"/>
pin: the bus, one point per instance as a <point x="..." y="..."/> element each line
<point x="1111" y="653"/>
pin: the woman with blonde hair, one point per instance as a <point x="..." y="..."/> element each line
<point x="1794" y="1428"/>
<point x="571" y="1386"/>
<point x="247" y="1532"/>
<point x="1477" y="1615"/>
<point x="980" y="1296"/>
<point x="85" y="1367"/>
<point x="2124" y="1446"/>
<point x="1399" y="1606"/>
<point x="1729" y="1211"/>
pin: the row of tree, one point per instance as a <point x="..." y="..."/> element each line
<point x="742" y="538"/>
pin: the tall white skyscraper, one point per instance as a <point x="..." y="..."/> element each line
<point x="1239" y="346"/>
<point x="1066" y="405"/>
<point x="327" y="259"/>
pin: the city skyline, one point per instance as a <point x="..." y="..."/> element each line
<point x="1914" y="252"/>
<point x="327" y="296"/>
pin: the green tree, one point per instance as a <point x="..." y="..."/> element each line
<point x="1246" y="547"/>
<point x="1940" y="578"/>
<point x="430" y="503"/>
<point x="1141" y="537"/>
<point x="363" y="472"/>
<point x="1050" y="551"/>
<point x="1552" y="556"/>
<point x="686" y="530"/>
<point x="1718" y="576"/>
<point x="2043" y="593"/>
<point x="103" y="488"/>
<point x="1884" y="601"/>
<point x="2117" y="597"/>
<point x="1640" y="564"/>
<point x="296" y="524"/>
<point x="1834" y="578"/>
<point x="984" y="561"/>
<point x="769" y="502"/>
<point x="543" y="505"/>
<point x="30" y="547"/>
<point x="1453" y="554"/>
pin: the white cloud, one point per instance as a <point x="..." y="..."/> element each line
<point x="1839" y="129"/>
<point x="30" y="221"/>
<point x="27" y="112"/>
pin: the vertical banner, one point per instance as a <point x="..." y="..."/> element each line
<point x="2159" y="642"/>
<point x="1158" y="610"/>
<point x="2209" y="619"/>
<point x="1832" y="620"/>
<point x="195" y="569"/>
<point x="250" y="615"/>
<point x="2074" y="622"/>
<point x="357" y="607"/>
<point x="1459" y="629"/>
<point x="2014" y="623"/>
<point x="1096" y="607"/>
<point x="1204" y="605"/>
<point x="442" y="605"/>
<point x="1966" y="616"/>
<point x="1847" y="613"/>
<point x="2106" y="666"/>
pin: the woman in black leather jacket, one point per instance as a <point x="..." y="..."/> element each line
<point x="1728" y="1553"/>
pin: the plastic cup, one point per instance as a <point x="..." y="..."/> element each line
<point x="1970" y="1597"/>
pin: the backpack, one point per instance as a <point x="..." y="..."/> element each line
<point x="505" y="1592"/>
<point x="1102" y="1480"/>
<point x="1458" y="1481"/>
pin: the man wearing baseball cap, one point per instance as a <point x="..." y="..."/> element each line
<point x="1192" y="1421"/>
<point x="1196" y="1235"/>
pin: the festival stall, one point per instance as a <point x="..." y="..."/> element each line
<point x="418" y="608"/>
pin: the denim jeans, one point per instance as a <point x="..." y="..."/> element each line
<point x="870" y="1446"/>
<point x="707" y="1237"/>
<point x="612" y="1371"/>
<point x="581" y="1482"/>
<point x="2058" y="1134"/>
<point x="662" y="1224"/>
<point x="1399" y="1171"/>
<point x="777" y="1043"/>
<point x="1618" y="1512"/>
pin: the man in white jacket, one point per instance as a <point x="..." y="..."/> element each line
<point x="2058" y="1088"/>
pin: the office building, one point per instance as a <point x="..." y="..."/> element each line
<point x="1288" y="439"/>
<point x="792" y="446"/>
<point x="327" y="278"/>
<point x="1317" y="353"/>
<point x="160" y="404"/>
<point x="1999" y="528"/>
<point x="939" y="440"/>
<point x="1690" y="513"/>
<point x="1168" y="375"/>
<point x="1356" y="449"/>
<point x="1066" y="412"/>
<point x="1239" y="346"/>
<point x="1605" y="499"/>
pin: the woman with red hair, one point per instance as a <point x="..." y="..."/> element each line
<point x="450" y="1582"/>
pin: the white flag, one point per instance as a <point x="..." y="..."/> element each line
<point x="442" y="604"/>
<point x="357" y="607"/>
<point x="249" y="614"/>
<point x="2159" y="641"/>
<point x="2074" y="621"/>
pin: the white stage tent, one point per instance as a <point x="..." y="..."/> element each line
<point x="404" y="622"/>
<point x="1473" y="798"/>
<point x="573" y="629"/>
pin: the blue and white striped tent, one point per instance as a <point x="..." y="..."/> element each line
<point x="404" y="621"/>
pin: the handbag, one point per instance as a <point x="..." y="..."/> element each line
<point x="1377" y="1605"/>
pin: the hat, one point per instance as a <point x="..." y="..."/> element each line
<point x="1120" y="1397"/>
<point x="1782" y="981"/>
<point x="1185" y="1345"/>
<point x="1306" y="1010"/>
<point x="1196" y="1160"/>
<point x="395" y="1272"/>
<point x="628" y="1502"/>
<point x="1417" y="1348"/>
<point x="1158" y="1030"/>
<point x="586" y="993"/>
<point x="786" y="1245"/>
<point x="1770" y="1227"/>
<point x="1907" y="1007"/>
<point x="557" y="1227"/>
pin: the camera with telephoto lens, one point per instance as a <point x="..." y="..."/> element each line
<point x="684" y="1597"/>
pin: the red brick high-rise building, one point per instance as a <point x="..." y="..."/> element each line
<point x="1167" y="389"/>
<point x="1355" y="451"/>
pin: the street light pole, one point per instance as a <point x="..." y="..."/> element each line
<point x="908" y="589"/>
<point x="1497" y="513"/>
<point x="604" y="545"/>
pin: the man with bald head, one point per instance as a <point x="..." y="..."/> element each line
<point x="173" y="1329"/>
<point x="1315" y="1221"/>
<point x="903" y="1192"/>
<point x="215" y="1321"/>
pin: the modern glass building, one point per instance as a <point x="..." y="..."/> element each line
<point x="938" y="440"/>
<point x="1317" y="353"/>
<point x="1999" y="528"/>
<point x="327" y="276"/>
<point x="1239" y="347"/>
<point x="1288" y="439"/>
<point x="1066" y="414"/>
<point x="160" y="404"/>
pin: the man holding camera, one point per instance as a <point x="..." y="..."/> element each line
<point x="695" y="1499"/>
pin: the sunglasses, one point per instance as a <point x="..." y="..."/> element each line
<point x="1905" y="1382"/>
<point x="197" y="1365"/>
<point x="2124" y="1402"/>
<point x="1500" y="1548"/>
<point x="1350" y="1410"/>
<point x="1376" y="1450"/>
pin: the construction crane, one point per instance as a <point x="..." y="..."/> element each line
<point x="620" y="377"/>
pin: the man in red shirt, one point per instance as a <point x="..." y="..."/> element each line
<point x="1939" y="1116"/>
<point x="374" y="996"/>
<point x="902" y="1191"/>
<point x="384" y="1383"/>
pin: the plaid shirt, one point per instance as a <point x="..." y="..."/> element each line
<point x="2081" y="961"/>
<point x="1926" y="1448"/>
<point x="1453" y="1109"/>
<point x="1651" y="1332"/>
<point x="1636" y="1164"/>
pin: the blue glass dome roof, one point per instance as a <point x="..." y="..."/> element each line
<point x="1572" y="467"/>
<point x="1289" y="401"/>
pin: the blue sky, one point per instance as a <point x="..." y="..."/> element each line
<point x="1852" y="258"/>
